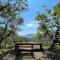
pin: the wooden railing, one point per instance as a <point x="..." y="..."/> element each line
<point x="27" y="47"/>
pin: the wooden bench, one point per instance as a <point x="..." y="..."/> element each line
<point x="27" y="47"/>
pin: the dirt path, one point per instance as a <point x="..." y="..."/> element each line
<point x="47" y="55"/>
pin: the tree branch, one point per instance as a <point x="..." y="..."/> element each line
<point x="8" y="34"/>
<point x="4" y="29"/>
<point x="3" y="7"/>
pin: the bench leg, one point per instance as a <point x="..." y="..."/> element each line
<point x="32" y="54"/>
<point x="32" y="51"/>
<point x="41" y="47"/>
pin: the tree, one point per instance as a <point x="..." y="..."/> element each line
<point x="10" y="17"/>
<point x="49" y="21"/>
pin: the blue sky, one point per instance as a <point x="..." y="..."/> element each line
<point x="30" y="25"/>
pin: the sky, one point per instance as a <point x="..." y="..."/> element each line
<point x="30" y="25"/>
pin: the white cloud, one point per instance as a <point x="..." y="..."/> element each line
<point x="31" y="25"/>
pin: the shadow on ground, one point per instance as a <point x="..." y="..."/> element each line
<point x="53" y="54"/>
<point x="11" y="55"/>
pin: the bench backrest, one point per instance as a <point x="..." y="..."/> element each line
<point x="27" y="45"/>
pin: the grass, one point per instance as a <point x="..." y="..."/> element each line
<point x="56" y="49"/>
<point x="46" y="47"/>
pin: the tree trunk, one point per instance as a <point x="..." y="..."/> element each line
<point x="52" y="45"/>
<point x="0" y="45"/>
<point x="5" y="44"/>
<point x="1" y="42"/>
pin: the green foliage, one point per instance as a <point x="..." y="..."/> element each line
<point x="10" y="15"/>
<point x="41" y="17"/>
<point x="43" y="28"/>
<point x="57" y="10"/>
<point x="48" y="11"/>
<point x="48" y="20"/>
